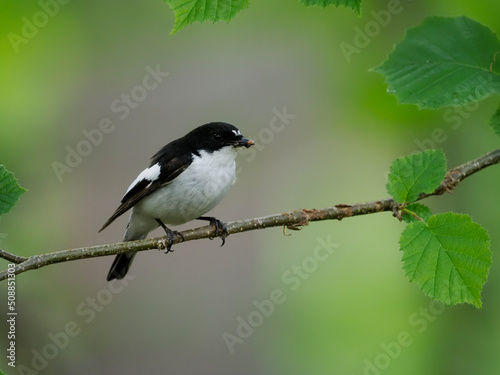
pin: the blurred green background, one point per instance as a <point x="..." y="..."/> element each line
<point x="352" y="312"/>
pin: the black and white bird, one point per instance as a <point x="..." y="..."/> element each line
<point x="186" y="178"/>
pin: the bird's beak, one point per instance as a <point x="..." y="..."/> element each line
<point x="245" y="142"/>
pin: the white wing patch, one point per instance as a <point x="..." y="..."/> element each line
<point x="236" y="132"/>
<point x="150" y="174"/>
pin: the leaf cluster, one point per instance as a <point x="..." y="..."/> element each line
<point x="447" y="255"/>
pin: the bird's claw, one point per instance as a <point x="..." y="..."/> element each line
<point x="219" y="228"/>
<point x="170" y="234"/>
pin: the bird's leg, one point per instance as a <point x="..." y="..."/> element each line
<point x="219" y="226"/>
<point x="170" y="234"/>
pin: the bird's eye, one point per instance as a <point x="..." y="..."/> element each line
<point x="216" y="137"/>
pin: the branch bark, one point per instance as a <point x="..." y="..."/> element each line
<point x="292" y="220"/>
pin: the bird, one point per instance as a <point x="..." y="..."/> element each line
<point x="185" y="179"/>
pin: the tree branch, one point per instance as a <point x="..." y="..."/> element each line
<point x="292" y="220"/>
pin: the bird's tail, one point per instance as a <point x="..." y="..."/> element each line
<point x="122" y="261"/>
<point x="120" y="266"/>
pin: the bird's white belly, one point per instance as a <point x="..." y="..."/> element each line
<point x="194" y="192"/>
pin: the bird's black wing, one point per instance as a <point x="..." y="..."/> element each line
<point x="171" y="166"/>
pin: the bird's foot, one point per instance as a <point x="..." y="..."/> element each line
<point x="220" y="228"/>
<point x="170" y="234"/>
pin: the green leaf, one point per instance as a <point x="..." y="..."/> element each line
<point x="10" y="191"/>
<point x="190" y="11"/>
<point x="415" y="174"/>
<point x="442" y="62"/>
<point x="421" y="210"/>
<point x="449" y="257"/>
<point x="494" y="121"/>
<point x="353" y="4"/>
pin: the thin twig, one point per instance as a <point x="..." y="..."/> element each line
<point x="292" y="220"/>
<point x="12" y="257"/>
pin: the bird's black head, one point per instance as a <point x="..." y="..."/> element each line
<point x="215" y="135"/>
